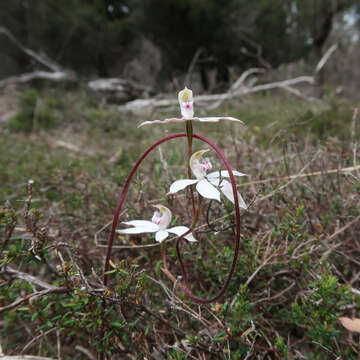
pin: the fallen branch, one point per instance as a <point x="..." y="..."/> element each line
<point x="42" y="59"/>
<point x="192" y="66"/>
<point x="23" y="78"/>
<point x="238" y="89"/>
<point x="237" y="84"/>
<point x="121" y="89"/>
<point x="344" y="170"/>
<point x="29" y="278"/>
<point x="85" y="351"/>
<point x="19" y="301"/>
<point x="325" y="59"/>
<point x="57" y="73"/>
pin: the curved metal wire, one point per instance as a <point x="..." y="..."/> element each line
<point x="182" y="265"/>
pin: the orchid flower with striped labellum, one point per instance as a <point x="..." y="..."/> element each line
<point x="186" y="102"/>
<point x="158" y="225"/>
<point x="206" y="183"/>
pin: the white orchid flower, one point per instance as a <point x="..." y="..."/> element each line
<point x="186" y="102"/>
<point x="158" y="225"/>
<point x="205" y="183"/>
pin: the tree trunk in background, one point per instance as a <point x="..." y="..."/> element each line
<point x="324" y="17"/>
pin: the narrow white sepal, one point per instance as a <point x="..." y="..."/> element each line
<point x="165" y="121"/>
<point x="224" y="173"/>
<point x="188" y="117"/>
<point x="215" y="119"/>
<point x="206" y="190"/>
<point x="227" y="190"/>
<point x="137" y="230"/>
<point x="143" y="224"/>
<point x="161" y="235"/>
<point x="180" y="185"/>
<point x="179" y="230"/>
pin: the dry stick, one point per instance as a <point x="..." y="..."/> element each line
<point x="192" y="65"/>
<point x="36" y="338"/>
<point x="325" y="58"/>
<point x="164" y="163"/>
<point x="238" y="83"/>
<point x="85" y="352"/>
<point x="187" y="309"/>
<point x="59" y="290"/>
<point x="289" y="182"/>
<point x="281" y="293"/>
<point x="57" y="72"/>
<point x="23" y="78"/>
<point x="336" y="233"/>
<point x="39" y="58"/>
<point x="29" y="278"/>
<point x="300" y="175"/>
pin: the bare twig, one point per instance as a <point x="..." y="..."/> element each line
<point x="325" y="58"/>
<point x="57" y="73"/>
<point x="42" y="59"/>
<point x="85" y="351"/>
<point x="23" y="78"/>
<point x="19" y="301"/>
<point x="279" y="294"/>
<point x="344" y="170"/>
<point x="29" y="278"/>
<point x="336" y="233"/>
<point x="36" y="338"/>
<point x="192" y="65"/>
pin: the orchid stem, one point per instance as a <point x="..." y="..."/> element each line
<point x="189" y="135"/>
<point x="197" y="213"/>
<point x="165" y="269"/>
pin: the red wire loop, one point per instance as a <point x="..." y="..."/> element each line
<point x="183" y="268"/>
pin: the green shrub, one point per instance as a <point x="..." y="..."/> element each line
<point x="35" y="113"/>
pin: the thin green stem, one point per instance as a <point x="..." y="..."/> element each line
<point x="197" y="213"/>
<point x="189" y="135"/>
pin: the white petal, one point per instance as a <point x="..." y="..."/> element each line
<point x="161" y="235"/>
<point x="215" y="181"/>
<point x="140" y="226"/>
<point x="180" y="185"/>
<point x="224" y="173"/>
<point x="215" y="119"/>
<point x="227" y="190"/>
<point x="166" y="121"/>
<point x="179" y="230"/>
<point x="207" y="190"/>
